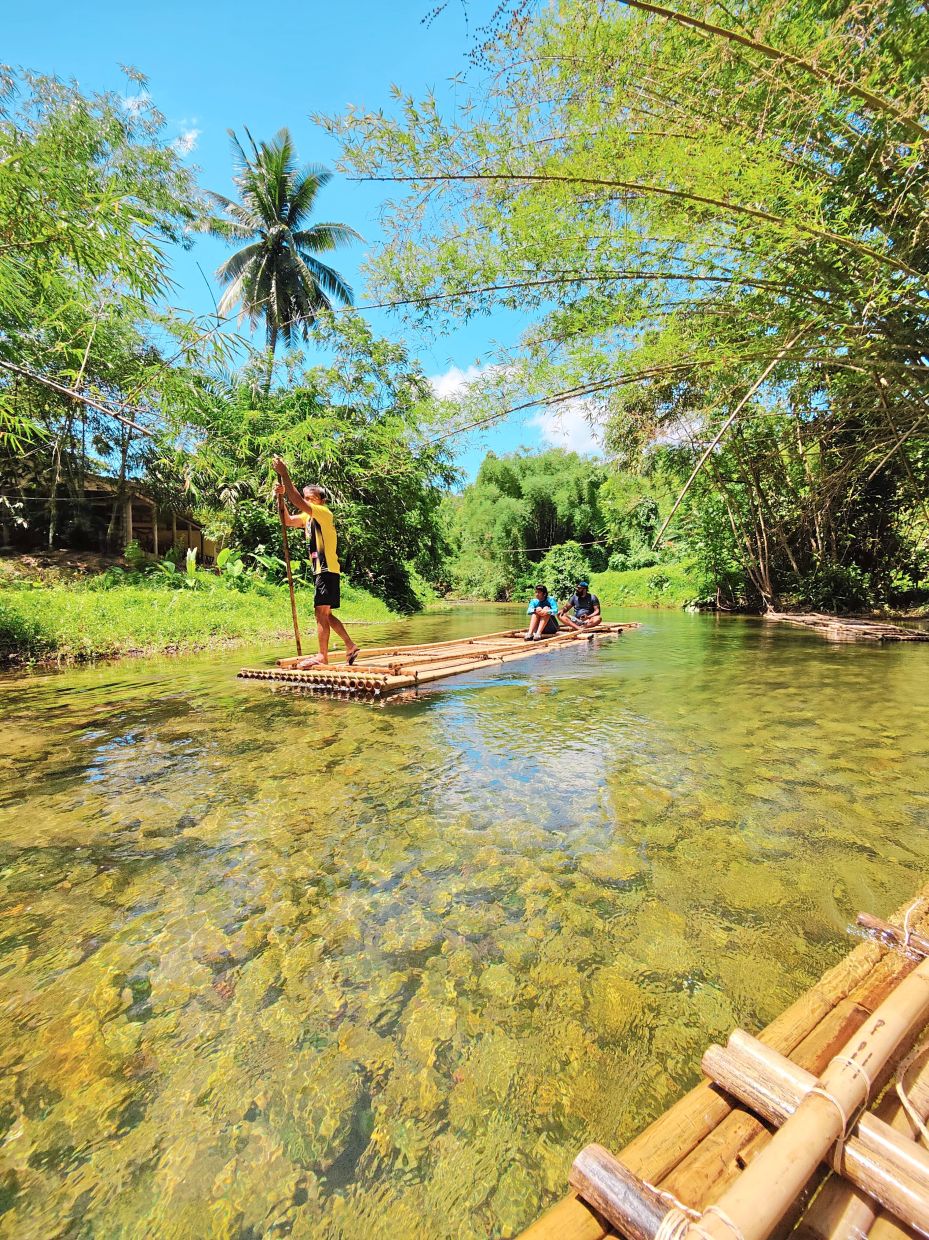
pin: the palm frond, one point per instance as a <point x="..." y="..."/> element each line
<point x="307" y="183"/>
<point x="238" y="214"/>
<point x="327" y="279"/>
<point x="237" y="264"/>
<point x="321" y="238"/>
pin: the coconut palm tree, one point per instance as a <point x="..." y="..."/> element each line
<point x="277" y="275"/>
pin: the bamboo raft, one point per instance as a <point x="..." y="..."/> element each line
<point x="781" y="1138"/>
<point x="849" y="628"/>
<point x="382" y="671"/>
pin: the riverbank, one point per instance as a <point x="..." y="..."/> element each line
<point x="662" y="585"/>
<point x="75" y="622"/>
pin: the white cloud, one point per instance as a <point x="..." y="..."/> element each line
<point x="187" y="141"/>
<point x="454" y="381"/>
<point x="137" y="103"/>
<point x="573" y="425"/>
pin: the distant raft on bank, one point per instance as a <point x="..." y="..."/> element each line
<point x="380" y="672"/>
<point x="849" y="628"/>
<point x="816" y="1129"/>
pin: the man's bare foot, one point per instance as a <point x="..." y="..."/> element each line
<point x="317" y="661"/>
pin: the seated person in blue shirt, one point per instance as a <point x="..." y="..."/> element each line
<point x="543" y="615"/>
<point x="586" y="608"/>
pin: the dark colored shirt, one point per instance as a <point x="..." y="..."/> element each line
<point x="585" y="606"/>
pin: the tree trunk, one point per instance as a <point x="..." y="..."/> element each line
<point x="272" y="345"/>
<point x="119" y="498"/>
<point x="53" y="495"/>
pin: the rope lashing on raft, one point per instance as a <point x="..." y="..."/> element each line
<point x="907" y="917"/>
<point x="680" y="1218"/>
<point x="848" y="1120"/>
<point x="905" y="1101"/>
<point x="678" y="1222"/>
<point x="675" y="1223"/>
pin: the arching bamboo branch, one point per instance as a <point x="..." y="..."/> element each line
<point x="875" y="101"/>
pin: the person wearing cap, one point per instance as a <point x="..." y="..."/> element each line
<point x="315" y="519"/>
<point x="586" y="608"/>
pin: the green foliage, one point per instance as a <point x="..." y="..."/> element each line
<point x="563" y="567"/>
<point x="83" y="269"/>
<point x="677" y="259"/>
<point x="121" y="612"/>
<point x="663" y="585"/>
<point x="355" y="427"/>
<point x="134" y="556"/>
<point x="519" y="507"/>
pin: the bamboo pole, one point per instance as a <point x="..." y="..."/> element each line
<point x="617" y="1194"/>
<point x="876" y="1158"/>
<point x="914" y="942"/>
<point x="841" y="1210"/>
<point x="767" y="1187"/>
<point x="879" y="1161"/>
<point x="290" y="576"/>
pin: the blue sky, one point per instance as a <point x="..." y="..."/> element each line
<point x="211" y="68"/>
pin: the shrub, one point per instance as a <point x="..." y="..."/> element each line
<point x="563" y="567"/>
<point x="134" y="556"/>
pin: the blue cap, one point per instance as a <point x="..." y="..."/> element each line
<point x="584" y="584"/>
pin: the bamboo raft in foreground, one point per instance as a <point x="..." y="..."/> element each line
<point x="379" y="672"/>
<point x="849" y="628"/>
<point x="780" y="1138"/>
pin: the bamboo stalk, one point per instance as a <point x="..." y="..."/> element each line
<point x="841" y="1210"/>
<point x="876" y="1158"/>
<point x="290" y="576"/>
<point x="622" y="1198"/>
<point x="879" y="1161"/>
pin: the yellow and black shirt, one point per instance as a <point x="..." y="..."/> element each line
<point x="321" y="539"/>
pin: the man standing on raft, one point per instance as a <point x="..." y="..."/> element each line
<point x="313" y="515"/>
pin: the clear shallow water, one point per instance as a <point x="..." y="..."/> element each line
<point x="275" y="966"/>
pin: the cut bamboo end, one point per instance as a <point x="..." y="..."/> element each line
<point x="621" y="1197"/>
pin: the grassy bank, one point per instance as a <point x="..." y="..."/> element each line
<point x="74" y="622"/>
<point x="664" y="585"/>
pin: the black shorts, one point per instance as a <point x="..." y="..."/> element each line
<point x="327" y="590"/>
<point x="550" y="626"/>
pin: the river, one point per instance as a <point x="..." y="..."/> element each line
<point x="278" y="966"/>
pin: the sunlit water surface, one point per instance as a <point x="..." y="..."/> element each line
<point x="274" y="966"/>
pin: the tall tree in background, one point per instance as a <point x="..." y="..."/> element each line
<point x="276" y="275"/>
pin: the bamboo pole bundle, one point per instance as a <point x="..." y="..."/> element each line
<point x="850" y="628"/>
<point x="700" y="1143"/>
<point x="503" y="636"/>
<point x="399" y="668"/>
<point x="876" y="1158"/>
<point x="770" y="1185"/>
<point x="841" y="1210"/>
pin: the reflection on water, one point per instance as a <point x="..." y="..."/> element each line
<point x="276" y="966"/>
